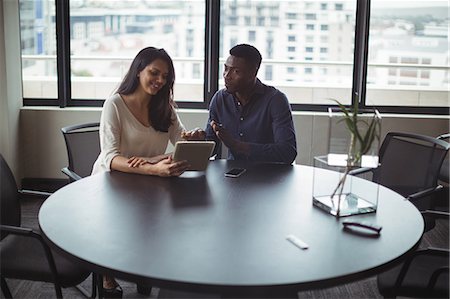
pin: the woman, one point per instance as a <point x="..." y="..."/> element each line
<point x="137" y="123"/>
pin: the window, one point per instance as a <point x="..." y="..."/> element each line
<point x="426" y="60"/>
<point x="325" y="39"/>
<point x="38" y="45"/>
<point x="419" y="40"/>
<point x="268" y="73"/>
<point x="297" y="16"/>
<point x="251" y="36"/>
<point x="291" y="16"/>
<point x="104" y="36"/>
<point x="120" y="29"/>
<point x="409" y="60"/>
<point x="310" y="16"/>
<point x="393" y="59"/>
<point x="309" y="26"/>
<point x="261" y="21"/>
<point x="338" y="6"/>
<point x="196" y="71"/>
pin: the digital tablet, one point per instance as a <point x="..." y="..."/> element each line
<point x="197" y="153"/>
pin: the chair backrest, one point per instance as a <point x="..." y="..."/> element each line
<point x="83" y="147"/>
<point x="9" y="196"/>
<point x="444" y="173"/>
<point x="410" y="162"/>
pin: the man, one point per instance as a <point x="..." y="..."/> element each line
<point x="252" y="119"/>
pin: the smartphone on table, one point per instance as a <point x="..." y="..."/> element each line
<point x="235" y="172"/>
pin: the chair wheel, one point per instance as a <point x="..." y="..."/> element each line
<point x="144" y="289"/>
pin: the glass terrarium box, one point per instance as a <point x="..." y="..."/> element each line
<point x="352" y="146"/>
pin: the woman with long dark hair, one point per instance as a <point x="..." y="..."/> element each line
<point x="139" y="119"/>
<point x="136" y="124"/>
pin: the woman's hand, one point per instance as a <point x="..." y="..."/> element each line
<point x="136" y="161"/>
<point x="167" y="167"/>
<point x="195" y="134"/>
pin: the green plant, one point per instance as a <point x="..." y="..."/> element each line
<point x="363" y="132"/>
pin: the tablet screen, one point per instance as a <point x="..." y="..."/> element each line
<point x="197" y="153"/>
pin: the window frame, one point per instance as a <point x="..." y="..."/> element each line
<point x="211" y="65"/>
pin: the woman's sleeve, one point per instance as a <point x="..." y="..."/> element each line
<point x="110" y="130"/>
<point x="176" y="128"/>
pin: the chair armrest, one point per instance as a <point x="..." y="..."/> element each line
<point x="424" y="193"/>
<point x="436" y="214"/>
<point x="360" y="170"/>
<point x="34" y="193"/>
<point x="23" y="231"/>
<point x="408" y="261"/>
<point x="72" y="175"/>
<point x="437" y="251"/>
<point x="28" y="232"/>
<point x="434" y="277"/>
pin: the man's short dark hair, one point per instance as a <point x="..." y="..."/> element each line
<point x="249" y="53"/>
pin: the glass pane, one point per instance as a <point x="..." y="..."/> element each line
<point x="38" y="45"/>
<point x="106" y="35"/>
<point x="408" y="54"/>
<point x="307" y="46"/>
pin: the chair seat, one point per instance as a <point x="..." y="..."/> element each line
<point x="416" y="279"/>
<point x="24" y="258"/>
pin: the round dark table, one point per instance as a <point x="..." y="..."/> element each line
<point x="204" y="232"/>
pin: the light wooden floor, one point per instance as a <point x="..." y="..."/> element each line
<point x="367" y="288"/>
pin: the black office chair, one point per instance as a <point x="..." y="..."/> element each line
<point x="23" y="252"/>
<point x="424" y="274"/>
<point x="444" y="173"/>
<point x="442" y="201"/>
<point x="83" y="148"/>
<point x="410" y="165"/>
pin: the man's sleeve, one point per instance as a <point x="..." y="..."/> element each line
<point x="213" y="115"/>
<point x="284" y="147"/>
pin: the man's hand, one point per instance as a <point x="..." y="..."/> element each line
<point x="223" y="134"/>
<point x="195" y="134"/>
<point x="227" y="139"/>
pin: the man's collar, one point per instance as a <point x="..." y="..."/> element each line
<point x="259" y="87"/>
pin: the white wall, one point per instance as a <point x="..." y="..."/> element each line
<point x="44" y="154"/>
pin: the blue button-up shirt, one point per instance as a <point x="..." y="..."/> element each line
<point x="265" y="123"/>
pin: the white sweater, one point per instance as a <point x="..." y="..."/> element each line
<point x="122" y="134"/>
